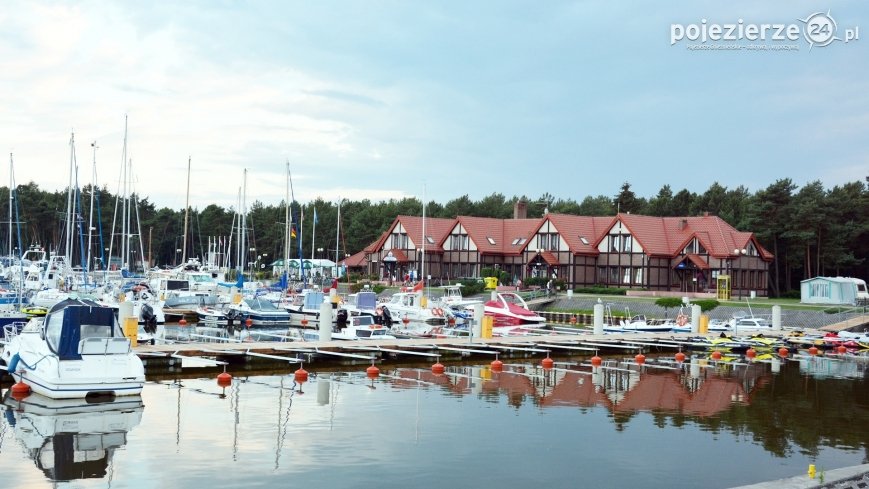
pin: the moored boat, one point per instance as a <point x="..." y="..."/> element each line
<point x="77" y="350"/>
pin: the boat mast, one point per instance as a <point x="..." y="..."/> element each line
<point x="287" y="225"/>
<point x="186" y="213"/>
<point x="242" y="230"/>
<point x="11" y="180"/>
<point x="422" y="260"/>
<point x="91" y="211"/>
<point x="68" y="247"/>
<point x="337" y="237"/>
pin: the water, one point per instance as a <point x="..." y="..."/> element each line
<point x="525" y="427"/>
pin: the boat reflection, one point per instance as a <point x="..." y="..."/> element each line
<point x="72" y="439"/>
<point x="698" y="388"/>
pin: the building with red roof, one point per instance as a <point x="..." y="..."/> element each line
<point x="670" y="254"/>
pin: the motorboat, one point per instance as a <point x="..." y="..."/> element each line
<point x="509" y="309"/>
<point x="260" y="311"/>
<point x="357" y="328"/>
<point x="640" y="323"/>
<point x="452" y="297"/>
<point x="77" y="350"/>
<point x="306" y="306"/>
<point x="72" y="439"/>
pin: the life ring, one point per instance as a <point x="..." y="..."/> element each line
<point x="681" y="320"/>
<point x="437" y="311"/>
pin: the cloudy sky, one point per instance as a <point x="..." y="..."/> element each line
<point x="381" y="99"/>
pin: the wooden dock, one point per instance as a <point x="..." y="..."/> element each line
<point x="338" y="352"/>
<point x="848" y="324"/>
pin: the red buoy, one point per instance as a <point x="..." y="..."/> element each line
<point x="547" y="363"/>
<point x="813" y="350"/>
<point x="596" y="361"/>
<point x="248" y="322"/>
<point x="301" y="375"/>
<point x="20" y="390"/>
<point x="751" y="353"/>
<point x="304" y="322"/>
<point x="573" y="319"/>
<point x="640" y="359"/>
<point x="437" y="368"/>
<point x="680" y="357"/>
<point x="716" y="355"/>
<point x="182" y="323"/>
<point x="405" y="320"/>
<point x="372" y="372"/>
<point x="224" y="379"/>
<point x="783" y="352"/>
<point x="497" y="365"/>
<point x="842" y="349"/>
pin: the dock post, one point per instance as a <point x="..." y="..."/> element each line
<point x="326" y="321"/>
<point x="323" y="385"/>
<point x="598" y="319"/>
<point x="695" y="318"/>
<point x="479" y="312"/>
<point x="776" y="318"/>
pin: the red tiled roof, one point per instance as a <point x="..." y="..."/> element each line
<point x="666" y="236"/>
<point x="698" y="261"/>
<point x="354" y="261"/>
<point x="399" y="255"/>
<point x="574" y="228"/>
<point x="435" y="227"/>
<point x="549" y="258"/>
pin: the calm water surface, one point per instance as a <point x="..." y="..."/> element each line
<point x="696" y="426"/>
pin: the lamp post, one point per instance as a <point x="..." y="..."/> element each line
<point x="736" y="254"/>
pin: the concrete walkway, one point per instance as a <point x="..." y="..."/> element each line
<point x="845" y="478"/>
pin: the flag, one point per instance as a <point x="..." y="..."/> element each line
<point x="418" y="287"/>
<point x="315" y="215"/>
<point x="293" y="232"/>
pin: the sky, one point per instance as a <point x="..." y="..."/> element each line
<point x="392" y="99"/>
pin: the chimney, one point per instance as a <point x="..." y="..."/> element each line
<point x="520" y="209"/>
<point x="683" y="224"/>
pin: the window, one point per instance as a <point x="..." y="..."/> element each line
<point x="639" y="277"/>
<point x="626" y="277"/>
<point x="615" y="243"/>
<point x="515" y="242"/>
<point x="490" y="240"/>
<point x="399" y="241"/>
<point x="584" y="241"/>
<point x="627" y="242"/>
<point x="429" y="239"/>
<point x="523" y="241"/>
<point x="459" y="242"/>
<point x="820" y="290"/>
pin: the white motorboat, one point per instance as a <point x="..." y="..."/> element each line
<point x="640" y="324"/>
<point x="72" y="438"/>
<point x="77" y="350"/>
<point x="509" y="309"/>
<point x="358" y="328"/>
<point x="306" y="306"/>
<point x="260" y="311"/>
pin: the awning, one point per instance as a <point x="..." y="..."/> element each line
<point x="548" y="257"/>
<point x="690" y="261"/>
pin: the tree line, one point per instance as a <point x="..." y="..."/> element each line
<point x="811" y="230"/>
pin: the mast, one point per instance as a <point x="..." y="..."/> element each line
<point x="287" y="225"/>
<point x="11" y="180"/>
<point x="313" y="233"/>
<point x="91" y="211"/>
<point x="186" y="214"/>
<point x="338" y="237"/>
<point x="69" y="196"/>
<point x="422" y="265"/>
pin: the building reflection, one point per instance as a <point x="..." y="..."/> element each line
<point x="695" y="388"/>
<point x="72" y="439"/>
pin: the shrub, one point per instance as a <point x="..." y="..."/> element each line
<point x="376" y="288"/>
<point x="471" y="287"/>
<point x="790" y="294"/>
<point x="706" y="304"/>
<point x="600" y="290"/>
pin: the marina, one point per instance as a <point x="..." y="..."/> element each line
<point x="573" y="424"/>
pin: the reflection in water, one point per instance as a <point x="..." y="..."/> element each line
<point x="72" y="438"/>
<point x="697" y="388"/>
<point x="522" y="427"/>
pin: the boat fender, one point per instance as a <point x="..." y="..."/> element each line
<point x="681" y="320"/>
<point x="13" y="363"/>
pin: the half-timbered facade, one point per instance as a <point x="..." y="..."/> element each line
<point x="674" y="254"/>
